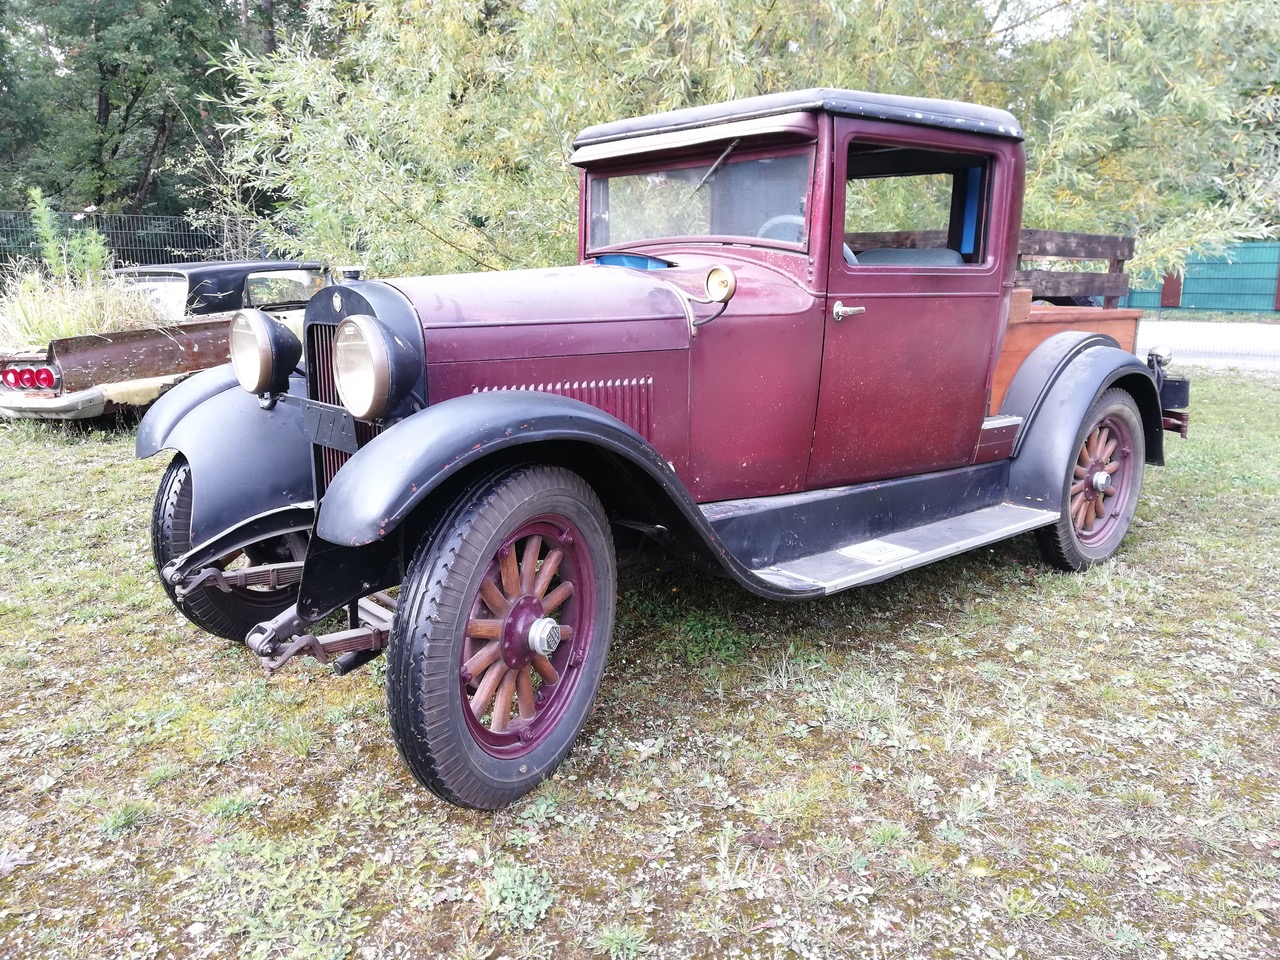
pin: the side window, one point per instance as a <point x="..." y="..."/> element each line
<point x="915" y="207"/>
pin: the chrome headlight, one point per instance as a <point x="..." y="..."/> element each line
<point x="263" y="352"/>
<point x="373" y="369"/>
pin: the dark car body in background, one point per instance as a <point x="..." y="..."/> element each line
<point x="82" y="377"/>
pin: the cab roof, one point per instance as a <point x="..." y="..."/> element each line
<point x="918" y="111"/>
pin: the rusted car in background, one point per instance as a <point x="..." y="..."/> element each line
<point x="81" y="377"/>
<point x="802" y="350"/>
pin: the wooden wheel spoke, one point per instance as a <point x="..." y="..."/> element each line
<point x="502" y="704"/>
<point x="1109" y="492"/>
<point x="1099" y="509"/>
<point x="485" y="656"/>
<point x="548" y="570"/>
<point x="1104" y="436"/>
<point x="1109" y="449"/>
<point x="488" y="687"/>
<point x="566" y="633"/>
<point x="524" y="694"/>
<point x="493" y="599"/>
<point x="510" y="572"/>
<point x="1080" y="471"/>
<point x="557" y="596"/>
<point x="1079" y="512"/>
<point x="229" y="559"/>
<point x="529" y="563"/>
<point x="1091" y="447"/>
<point x="545" y="670"/>
<point x="1079" y="487"/>
<point x="1112" y="467"/>
<point x="484" y="629"/>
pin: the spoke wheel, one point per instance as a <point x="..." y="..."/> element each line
<point x="501" y="636"/>
<point x="529" y="627"/>
<point x="226" y="614"/>
<point x="1102" y="485"/>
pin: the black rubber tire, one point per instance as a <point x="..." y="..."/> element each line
<point x="229" y="615"/>
<point x="425" y="690"/>
<point x="1066" y="544"/>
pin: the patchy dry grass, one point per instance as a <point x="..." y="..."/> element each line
<point x="36" y="308"/>
<point x="982" y="759"/>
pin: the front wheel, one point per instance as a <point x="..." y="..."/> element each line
<point x="1100" y="491"/>
<point x="501" y="636"/>
<point x="229" y="614"/>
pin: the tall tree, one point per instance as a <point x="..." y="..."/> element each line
<point x="111" y="88"/>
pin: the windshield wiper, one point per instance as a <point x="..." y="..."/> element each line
<point x="715" y="166"/>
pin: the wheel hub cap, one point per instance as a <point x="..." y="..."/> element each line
<point x="544" y="636"/>
<point x="517" y="647"/>
<point x="1101" y="480"/>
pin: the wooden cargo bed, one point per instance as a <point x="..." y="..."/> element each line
<point x="1030" y="324"/>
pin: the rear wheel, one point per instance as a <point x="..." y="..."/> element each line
<point x="226" y="614"/>
<point x="1100" y="492"/>
<point x="501" y="636"/>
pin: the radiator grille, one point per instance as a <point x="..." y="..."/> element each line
<point x="321" y="386"/>
<point x="631" y="401"/>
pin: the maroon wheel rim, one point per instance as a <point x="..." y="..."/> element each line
<point x="1101" y="481"/>
<point x="528" y="632"/>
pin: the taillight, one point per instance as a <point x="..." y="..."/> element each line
<point x="44" y="378"/>
<point x="10" y="378"/>
<point x="26" y="378"/>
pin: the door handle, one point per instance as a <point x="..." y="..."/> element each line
<point x="841" y="311"/>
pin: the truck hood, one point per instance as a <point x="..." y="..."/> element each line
<point x="556" y="311"/>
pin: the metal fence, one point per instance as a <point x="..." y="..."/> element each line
<point x="1246" y="279"/>
<point x="138" y="239"/>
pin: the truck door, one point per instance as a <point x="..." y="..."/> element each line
<point x="913" y="308"/>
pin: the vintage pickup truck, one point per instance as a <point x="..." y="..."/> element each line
<point x="798" y="352"/>
<point x="78" y="378"/>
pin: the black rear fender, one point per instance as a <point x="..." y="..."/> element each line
<point x="245" y="461"/>
<point x="1052" y="391"/>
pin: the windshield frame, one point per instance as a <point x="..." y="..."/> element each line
<point x="706" y="156"/>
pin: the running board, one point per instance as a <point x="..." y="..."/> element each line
<point x="871" y="561"/>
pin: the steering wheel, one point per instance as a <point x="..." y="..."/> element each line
<point x="787" y="219"/>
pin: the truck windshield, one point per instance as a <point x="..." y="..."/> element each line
<point x="745" y="197"/>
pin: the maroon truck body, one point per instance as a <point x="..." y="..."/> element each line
<point x="782" y="357"/>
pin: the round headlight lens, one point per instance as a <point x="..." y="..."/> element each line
<point x="250" y="350"/>
<point x="362" y="367"/>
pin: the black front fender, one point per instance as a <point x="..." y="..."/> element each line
<point x="362" y="537"/>
<point x="245" y="461"/>
<point x="383" y="482"/>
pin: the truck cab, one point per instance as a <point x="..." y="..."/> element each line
<point x="782" y="357"/>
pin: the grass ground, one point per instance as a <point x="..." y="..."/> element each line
<point x="981" y="759"/>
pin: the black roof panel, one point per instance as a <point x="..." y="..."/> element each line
<point x="919" y="111"/>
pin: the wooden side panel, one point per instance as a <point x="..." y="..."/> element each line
<point x="1029" y="326"/>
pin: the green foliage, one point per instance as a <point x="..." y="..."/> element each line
<point x="80" y="255"/>
<point x="95" y="96"/>
<point x="517" y="896"/>
<point x="433" y="136"/>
